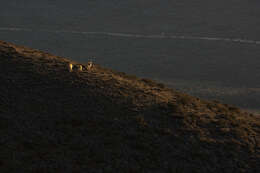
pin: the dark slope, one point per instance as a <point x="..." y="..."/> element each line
<point x="104" y="121"/>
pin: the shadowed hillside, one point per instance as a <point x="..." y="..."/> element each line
<point x="99" y="120"/>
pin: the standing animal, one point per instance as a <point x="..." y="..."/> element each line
<point x="80" y="68"/>
<point x="90" y="65"/>
<point x="70" y="67"/>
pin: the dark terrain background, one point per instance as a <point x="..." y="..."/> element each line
<point x="227" y="71"/>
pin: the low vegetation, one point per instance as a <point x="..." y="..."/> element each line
<point x="54" y="120"/>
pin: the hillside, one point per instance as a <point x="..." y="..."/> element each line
<point x="100" y="120"/>
<point x="199" y="32"/>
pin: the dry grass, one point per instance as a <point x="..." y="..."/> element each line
<point x="53" y="120"/>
